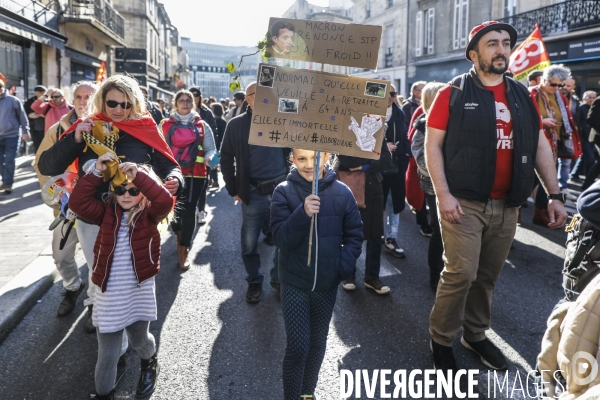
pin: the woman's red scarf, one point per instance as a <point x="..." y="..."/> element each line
<point x="143" y="129"/>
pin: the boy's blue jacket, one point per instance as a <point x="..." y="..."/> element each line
<point x="340" y="233"/>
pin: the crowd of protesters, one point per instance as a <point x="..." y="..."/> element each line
<point x="140" y="163"/>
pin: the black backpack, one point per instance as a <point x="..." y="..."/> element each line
<point x="582" y="256"/>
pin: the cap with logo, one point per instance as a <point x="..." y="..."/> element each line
<point x="480" y="30"/>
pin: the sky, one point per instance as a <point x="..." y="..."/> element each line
<point x="227" y="22"/>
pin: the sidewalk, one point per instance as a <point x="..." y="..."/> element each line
<point x="26" y="266"/>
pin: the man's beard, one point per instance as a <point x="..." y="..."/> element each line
<point x="489" y="68"/>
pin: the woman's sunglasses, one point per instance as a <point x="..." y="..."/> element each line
<point x="113" y="104"/>
<point x="560" y="85"/>
<point x="393" y="94"/>
<point x="120" y="191"/>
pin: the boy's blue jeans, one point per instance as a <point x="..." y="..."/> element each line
<point x="8" y="153"/>
<point x="254" y="217"/>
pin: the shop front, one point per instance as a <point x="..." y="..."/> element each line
<point x="21" y="42"/>
<point x="582" y="56"/>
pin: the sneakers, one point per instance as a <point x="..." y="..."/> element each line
<point x="489" y="353"/>
<point x="6" y="189"/>
<point x="570" y="196"/>
<point x="201" y="217"/>
<point x="67" y="305"/>
<point x="443" y="357"/>
<point x="349" y="284"/>
<point x="377" y="286"/>
<point x="391" y="246"/>
<point x="426" y="230"/>
<point x="254" y="293"/>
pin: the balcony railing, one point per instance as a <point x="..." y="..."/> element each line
<point x="33" y="11"/>
<point x="101" y="10"/>
<point x="568" y="16"/>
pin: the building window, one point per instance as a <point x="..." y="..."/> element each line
<point x="368" y="8"/>
<point x="510" y="8"/>
<point x="390" y="3"/>
<point x="419" y="34"/>
<point x="389" y="45"/>
<point x="461" y="23"/>
<point x="429" y="29"/>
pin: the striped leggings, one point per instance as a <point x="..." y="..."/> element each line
<point x="109" y="351"/>
<point x="306" y="316"/>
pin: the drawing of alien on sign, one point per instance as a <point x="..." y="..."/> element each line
<point x="365" y="132"/>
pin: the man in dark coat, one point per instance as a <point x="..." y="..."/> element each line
<point x="250" y="172"/>
<point x="371" y="215"/>
<point x="393" y="179"/>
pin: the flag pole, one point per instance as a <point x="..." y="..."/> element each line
<point x="315" y="191"/>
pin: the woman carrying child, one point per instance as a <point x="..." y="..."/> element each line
<point x="308" y="292"/>
<point x="193" y="145"/>
<point x="126" y="259"/>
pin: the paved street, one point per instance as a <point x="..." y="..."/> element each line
<point x="213" y="345"/>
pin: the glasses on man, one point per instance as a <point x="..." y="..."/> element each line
<point x="120" y="191"/>
<point x="393" y="94"/>
<point x="184" y="102"/>
<point x="113" y="104"/>
<point x="559" y="85"/>
<point x="56" y="97"/>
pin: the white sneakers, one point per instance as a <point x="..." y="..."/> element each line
<point x="201" y="217"/>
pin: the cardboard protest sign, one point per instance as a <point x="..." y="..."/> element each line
<point x="335" y="43"/>
<point x="319" y="111"/>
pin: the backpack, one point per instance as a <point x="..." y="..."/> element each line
<point x="184" y="142"/>
<point x="582" y="256"/>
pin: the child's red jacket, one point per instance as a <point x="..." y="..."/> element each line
<point x="143" y="232"/>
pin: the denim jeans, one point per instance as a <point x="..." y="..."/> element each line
<point x="586" y="161"/>
<point x="391" y="220"/>
<point x="254" y="216"/>
<point x="8" y="153"/>
<point x="373" y="259"/>
<point x="564" y="169"/>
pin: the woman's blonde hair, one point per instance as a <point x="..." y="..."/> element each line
<point x="428" y="94"/>
<point x="134" y="211"/>
<point x="126" y="85"/>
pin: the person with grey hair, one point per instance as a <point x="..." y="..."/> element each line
<point x="52" y="110"/>
<point x="413" y="102"/>
<point x="64" y="258"/>
<point x="559" y="124"/>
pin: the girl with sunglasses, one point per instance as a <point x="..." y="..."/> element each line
<point x="192" y="142"/>
<point x="126" y="259"/>
<point x="119" y="108"/>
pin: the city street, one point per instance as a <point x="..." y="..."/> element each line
<point x="214" y="345"/>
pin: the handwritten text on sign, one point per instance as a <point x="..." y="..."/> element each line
<point x="351" y="45"/>
<point x="319" y="111"/>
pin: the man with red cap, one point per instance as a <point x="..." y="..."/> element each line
<point x="484" y="145"/>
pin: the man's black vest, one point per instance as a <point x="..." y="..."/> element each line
<point x="470" y="143"/>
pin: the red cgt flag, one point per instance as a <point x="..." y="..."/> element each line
<point x="101" y="74"/>
<point x="529" y="56"/>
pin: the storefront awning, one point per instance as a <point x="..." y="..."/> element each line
<point x="17" y="25"/>
<point x="82" y="58"/>
<point x="170" y="94"/>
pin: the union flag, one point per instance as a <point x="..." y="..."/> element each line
<point x="529" y="56"/>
